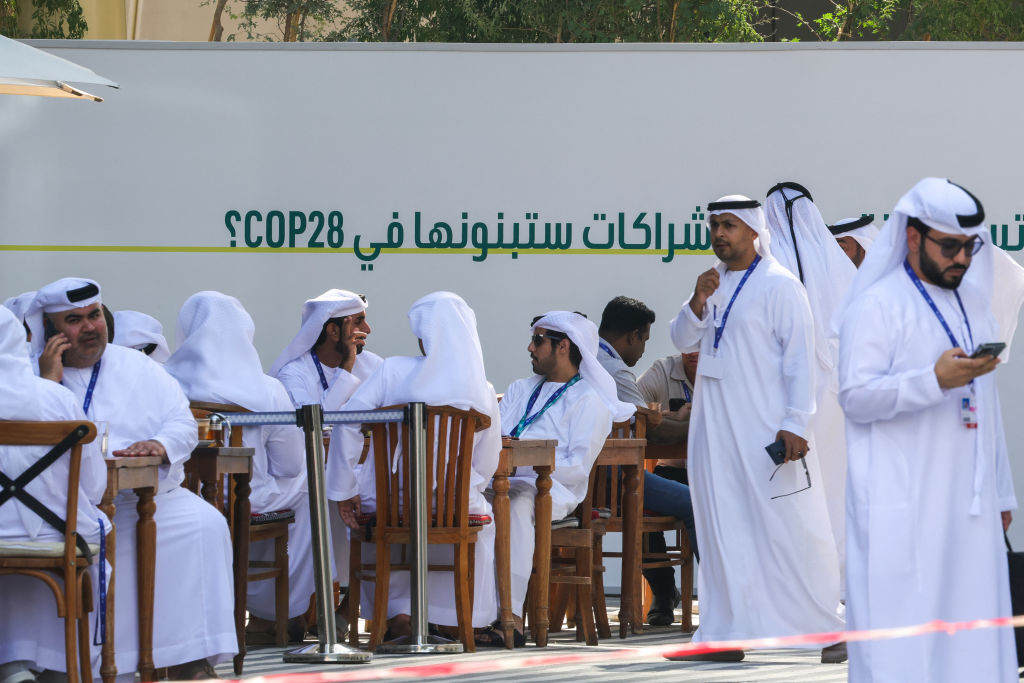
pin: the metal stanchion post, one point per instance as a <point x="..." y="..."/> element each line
<point x="327" y="650"/>
<point x="420" y="642"/>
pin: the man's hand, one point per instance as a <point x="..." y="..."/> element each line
<point x="348" y="346"/>
<point x="143" y="448"/>
<point x="707" y="283"/>
<point x="954" y="369"/>
<point x="349" y="510"/>
<point x="1007" y="519"/>
<point x="51" y="364"/>
<point x="682" y="414"/>
<point x="796" y="446"/>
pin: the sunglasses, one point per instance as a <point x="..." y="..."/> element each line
<point x="950" y="248"/>
<point x="537" y="339"/>
<point x="803" y="461"/>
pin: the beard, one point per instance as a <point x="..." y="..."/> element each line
<point x="949" y="278"/>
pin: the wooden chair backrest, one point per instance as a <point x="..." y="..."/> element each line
<point x="24" y="433"/>
<point x="605" y="489"/>
<point x="449" y="447"/>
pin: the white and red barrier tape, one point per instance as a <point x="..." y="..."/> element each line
<point x="477" y="666"/>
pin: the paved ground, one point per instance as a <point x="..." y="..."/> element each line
<point x="790" y="666"/>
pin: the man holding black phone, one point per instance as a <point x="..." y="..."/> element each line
<point x="929" y="484"/>
<point x="768" y="562"/>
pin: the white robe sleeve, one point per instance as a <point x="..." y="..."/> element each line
<point x="347" y="440"/>
<point x="687" y="329"/>
<point x="794" y="330"/>
<point x="341" y="390"/>
<point x="1007" y="499"/>
<point x="589" y="423"/>
<point x="295" y="383"/>
<point x="868" y="390"/>
<point x="285" y="444"/>
<point x="178" y="431"/>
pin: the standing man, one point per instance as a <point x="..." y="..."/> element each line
<point x="930" y="490"/>
<point x="769" y="565"/>
<point x="147" y="415"/>
<point x="327" y="359"/>
<point x="802" y="244"/>
<point x="855" y="236"/>
<point x="624" y="331"/>
<point x="569" y="398"/>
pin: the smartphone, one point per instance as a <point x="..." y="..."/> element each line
<point x="48" y="329"/>
<point x="777" y="451"/>
<point x="675" y="404"/>
<point x="989" y="349"/>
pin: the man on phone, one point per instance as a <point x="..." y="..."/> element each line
<point x="147" y="415"/>
<point x="769" y="564"/>
<point x="930" y="490"/>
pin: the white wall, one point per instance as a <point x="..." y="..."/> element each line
<point x="144" y="180"/>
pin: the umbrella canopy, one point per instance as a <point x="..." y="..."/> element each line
<point x="24" y="70"/>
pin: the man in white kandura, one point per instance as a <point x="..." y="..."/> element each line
<point x="930" y="490"/>
<point x="327" y="359"/>
<point x="802" y="243"/>
<point x="31" y="634"/>
<point x="147" y="415"/>
<point x="569" y="398"/>
<point x="768" y="559"/>
<point x="141" y="332"/>
<point x="855" y="236"/>
<point x="451" y="372"/>
<point x="217" y="362"/>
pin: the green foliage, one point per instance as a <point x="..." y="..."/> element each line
<point x="58" y="19"/>
<point x="966" y="20"/>
<point x="295" y="20"/>
<point x="9" y="18"/>
<point x="551" y="21"/>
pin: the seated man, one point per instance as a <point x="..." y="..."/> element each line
<point x="216" y="362"/>
<point x="569" y="398"/>
<point x="669" y="382"/>
<point x="147" y="415"/>
<point x="625" y="329"/>
<point x="31" y="634"/>
<point x="141" y="332"/>
<point x="327" y="359"/>
<point x="451" y="372"/>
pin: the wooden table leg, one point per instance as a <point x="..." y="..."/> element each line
<point x="542" y="549"/>
<point x="502" y="554"/>
<point x="146" y="560"/>
<point x="108" y="668"/>
<point x="630" y="550"/>
<point x="240" y="552"/>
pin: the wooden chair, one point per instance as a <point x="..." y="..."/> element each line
<point x="607" y="497"/>
<point x="65" y="560"/>
<point x="276" y="530"/>
<point x="449" y="447"/>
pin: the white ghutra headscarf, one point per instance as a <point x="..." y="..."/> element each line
<point x="137" y="330"/>
<point x="862" y="229"/>
<point x="334" y="303"/>
<point x="749" y="211"/>
<point x="583" y="333"/>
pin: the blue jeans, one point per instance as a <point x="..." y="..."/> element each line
<point x="665" y="496"/>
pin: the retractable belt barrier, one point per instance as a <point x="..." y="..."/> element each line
<point x="311" y="419"/>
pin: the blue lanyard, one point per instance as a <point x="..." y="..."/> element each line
<point x="725" y="316"/>
<point x="530" y="419"/>
<point x="687" y="394"/>
<point x="92" y="385"/>
<point x="935" y="309"/>
<point x="319" y="369"/>
<point x="607" y="349"/>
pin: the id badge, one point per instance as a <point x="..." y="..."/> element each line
<point x="711" y="366"/>
<point x="968" y="412"/>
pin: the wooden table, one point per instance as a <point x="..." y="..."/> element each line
<point x="208" y="464"/>
<point x="138" y="474"/>
<point x="628" y="454"/>
<point x="540" y="455"/>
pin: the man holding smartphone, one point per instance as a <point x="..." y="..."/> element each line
<point x="930" y="490"/>
<point x="768" y="562"/>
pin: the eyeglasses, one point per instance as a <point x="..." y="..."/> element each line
<point x="950" y="248"/>
<point x="803" y="461"/>
<point x="537" y="339"/>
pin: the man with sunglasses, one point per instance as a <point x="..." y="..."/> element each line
<point x="768" y="558"/>
<point x="569" y="398"/>
<point x="929" y="485"/>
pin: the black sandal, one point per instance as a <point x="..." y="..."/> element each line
<point x="492" y="636"/>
